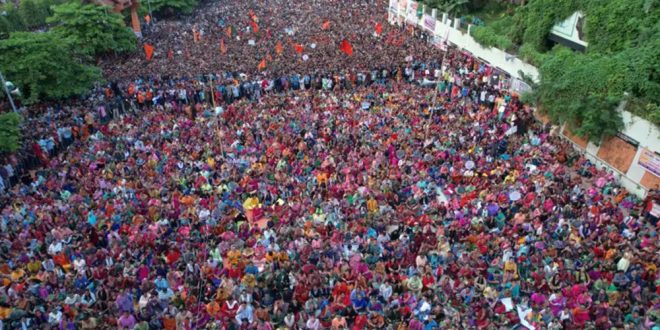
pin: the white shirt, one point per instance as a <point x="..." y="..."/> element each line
<point x="55" y="248"/>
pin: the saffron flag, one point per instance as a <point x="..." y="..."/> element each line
<point x="298" y="47"/>
<point x="262" y="65"/>
<point x="379" y="28"/>
<point x="223" y="47"/>
<point x="149" y="51"/>
<point x="229" y="32"/>
<point x="147" y="19"/>
<point x="197" y="35"/>
<point x="255" y="27"/>
<point x="278" y="48"/>
<point x="346" y="47"/>
<point x="325" y="25"/>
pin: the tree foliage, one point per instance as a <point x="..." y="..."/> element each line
<point x="28" y="15"/>
<point x="622" y="61"/>
<point x="532" y="23"/>
<point x="582" y="90"/>
<point x="95" y="29"/>
<point x="171" y="7"/>
<point x="452" y="7"/>
<point x="486" y="36"/>
<point x="45" y="65"/>
<point x="10" y="132"/>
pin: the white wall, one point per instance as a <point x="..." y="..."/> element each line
<point x="506" y="62"/>
<point x="648" y="136"/>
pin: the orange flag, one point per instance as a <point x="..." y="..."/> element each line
<point x="147" y="19"/>
<point x="255" y="27"/>
<point x="346" y="47"/>
<point x="325" y="25"/>
<point x="298" y="47"/>
<point x="197" y="36"/>
<point x="149" y="51"/>
<point x="229" y="32"/>
<point x="262" y="65"/>
<point x="379" y="28"/>
<point x="278" y="48"/>
<point x="223" y="47"/>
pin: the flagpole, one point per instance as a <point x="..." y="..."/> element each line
<point x="212" y="90"/>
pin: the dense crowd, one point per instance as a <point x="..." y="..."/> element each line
<point x="319" y="198"/>
<point x="309" y="33"/>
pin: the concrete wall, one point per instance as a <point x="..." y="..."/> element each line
<point x="632" y="176"/>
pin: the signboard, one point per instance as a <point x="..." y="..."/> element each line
<point x="403" y="5"/>
<point x="650" y="161"/>
<point x="519" y="86"/>
<point x="429" y="22"/>
<point x="394" y="4"/>
<point x="412" y="13"/>
<point x="439" y="42"/>
<point x="655" y="210"/>
<point x="628" y="139"/>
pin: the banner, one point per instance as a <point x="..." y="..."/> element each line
<point x="412" y="13"/>
<point x="403" y="5"/>
<point x="519" y="86"/>
<point x="429" y="22"/>
<point x="394" y="4"/>
<point x="650" y="161"/>
<point x="439" y="42"/>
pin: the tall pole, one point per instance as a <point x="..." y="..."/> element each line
<point x="4" y="85"/>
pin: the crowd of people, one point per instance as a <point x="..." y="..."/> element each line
<point x="236" y="36"/>
<point x="323" y="194"/>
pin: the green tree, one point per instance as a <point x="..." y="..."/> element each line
<point x="32" y="14"/>
<point x="45" y="65"/>
<point x="95" y="29"/>
<point x="171" y="7"/>
<point x="583" y="90"/>
<point x="10" y="20"/>
<point x="10" y="132"/>
<point x="29" y="15"/>
<point x="452" y="7"/>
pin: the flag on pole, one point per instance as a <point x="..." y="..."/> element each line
<point x="197" y="35"/>
<point x="298" y="47"/>
<point x="229" y="32"/>
<point x="379" y="28"/>
<point x="149" y="51"/>
<point x="262" y="65"/>
<point x="223" y="47"/>
<point x="346" y="47"/>
<point x="278" y="48"/>
<point x="255" y="27"/>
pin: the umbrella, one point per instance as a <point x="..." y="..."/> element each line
<point x="514" y="195"/>
<point x="492" y="209"/>
<point x="469" y="165"/>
